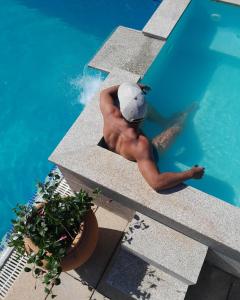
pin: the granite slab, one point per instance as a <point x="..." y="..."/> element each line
<point x="165" y="248"/>
<point x="165" y="18"/>
<point x="127" y="49"/>
<point x="129" y="277"/>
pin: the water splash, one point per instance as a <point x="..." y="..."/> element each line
<point x="86" y="85"/>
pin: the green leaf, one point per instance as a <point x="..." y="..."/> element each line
<point x="47" y="290"/>
<point x="46" y="279"/>
<point x="26" y="269"/>
<point x="62" y="251"/>
<point x="57" y="281"/>
<point x="37" y="271"/>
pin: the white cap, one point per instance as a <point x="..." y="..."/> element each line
<point x="132" y="102"/>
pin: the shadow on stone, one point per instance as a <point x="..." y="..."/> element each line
<point x="137" y="224"/>
<point x="176" y="189"/>
<point x="127" y="276"/>
<point x="213" y="284"/>
<point x="92" y="271"/>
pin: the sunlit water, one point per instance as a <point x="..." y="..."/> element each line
<point x="44" y="85"/>
<point x="201" y="63"/>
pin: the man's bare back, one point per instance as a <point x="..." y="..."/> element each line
<point x="126" y="139"/>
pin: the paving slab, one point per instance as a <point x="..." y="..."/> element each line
<point x="165" y="248"/>
<point x="71" y="288"/>
<point x="97" y="296"/>
<point x="165" y="18"/>
<point x="127" y="49"/>
<point x="111" y="229"/>
<point x="129" y="277"/>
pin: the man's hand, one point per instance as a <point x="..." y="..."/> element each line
<point x="197" y="172"/>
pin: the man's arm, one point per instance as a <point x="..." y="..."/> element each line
<point x="107" y="97"/>
<point x="161" y="181"/>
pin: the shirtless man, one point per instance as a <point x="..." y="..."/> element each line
<point x="123" y="108"/>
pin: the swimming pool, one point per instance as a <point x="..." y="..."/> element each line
<point x="201" y="63"/>
<point x="43" y="82"/>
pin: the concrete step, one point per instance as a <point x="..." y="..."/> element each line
<point x="165" y="248"/>
<point x="129" y="277"/>
<point x="234" y="293"/>
<point x="165" y="18"/>
<point x="213" y="284"/>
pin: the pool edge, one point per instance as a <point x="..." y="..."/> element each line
<point x="196" y="214"/>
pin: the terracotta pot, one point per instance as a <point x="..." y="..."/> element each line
<point x="81" y="248"/>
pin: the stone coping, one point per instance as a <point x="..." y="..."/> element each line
<point x="165" y="18"/>
<point x="127" y="49"/>
<point x="190" y="211"/>
<point x="234" y="2"/>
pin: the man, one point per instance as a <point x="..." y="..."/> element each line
<point x="123" y="108"/>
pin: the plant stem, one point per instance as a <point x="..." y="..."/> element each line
<point x="50" y="290"/>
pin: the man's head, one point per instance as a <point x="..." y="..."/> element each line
<point x="133" y="105"/>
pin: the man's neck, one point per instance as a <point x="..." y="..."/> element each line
<point x="136" y="127"/>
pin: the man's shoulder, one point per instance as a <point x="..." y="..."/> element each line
<point x="113" y="114"/>
<point x="143" y="140"/>
<point x="142" y="146"/>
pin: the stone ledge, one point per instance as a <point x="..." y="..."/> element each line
<point x="165" y="248"/>
<point x="127" y="49"/>
<point x="165" y="18"/>
<point x="234" y="2"/>
<point x="190" y="211"/>
<point x="129" y="277"/>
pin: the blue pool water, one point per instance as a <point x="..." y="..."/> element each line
<point x="201" y="63"/>
<point x="45" y="45"/>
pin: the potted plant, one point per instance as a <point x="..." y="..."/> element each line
<point x="57" y="233"/>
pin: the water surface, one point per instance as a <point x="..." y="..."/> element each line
<point x="201" y="63"/>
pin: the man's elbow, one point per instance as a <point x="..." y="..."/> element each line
<point x="102" y="94"/>
<point x="158" y="185"/>
<point x="102" y="97"/>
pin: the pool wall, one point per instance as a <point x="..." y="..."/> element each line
<point x="126" y="56"/>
